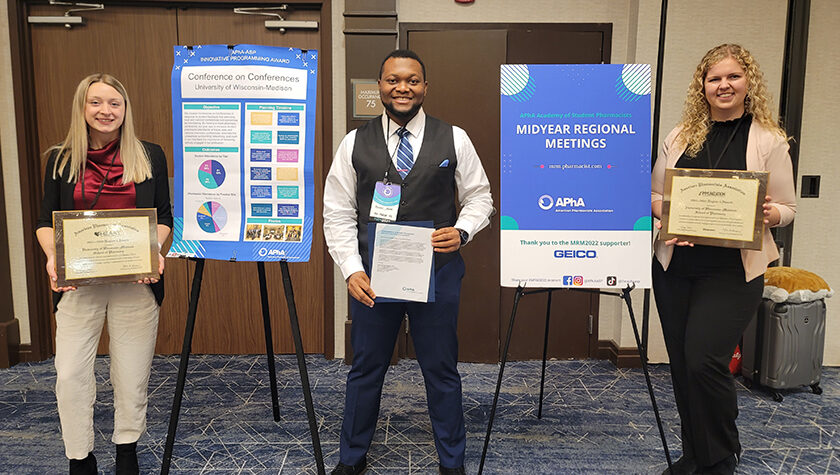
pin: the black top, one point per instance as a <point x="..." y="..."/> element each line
<point x="725" y="149"/>
<point x="152" y="193"/>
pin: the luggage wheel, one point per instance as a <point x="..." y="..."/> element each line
<point x="816" y="389"/>
<point x="777" y="396"/>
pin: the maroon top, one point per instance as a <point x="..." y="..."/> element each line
<point x="115" y="194"/>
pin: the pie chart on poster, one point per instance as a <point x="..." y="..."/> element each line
<point x="211" y="174"/>
<point x="211" y="217"/>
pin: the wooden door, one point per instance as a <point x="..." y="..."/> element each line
<point x="135" y="44"/>
<point x="109" y="43"/>
<point x="462" y="65"/>
<point x="229" y="312"/>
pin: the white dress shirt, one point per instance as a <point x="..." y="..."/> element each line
<point x="340" y="207"/>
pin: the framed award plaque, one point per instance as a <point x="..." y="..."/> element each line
<point x="105" y="246"/>
<point x="714" y="207"/>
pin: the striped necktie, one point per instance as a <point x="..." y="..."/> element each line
<point x="405" y="155"/>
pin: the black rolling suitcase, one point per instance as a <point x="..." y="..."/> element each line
<point x="783" y="346"/>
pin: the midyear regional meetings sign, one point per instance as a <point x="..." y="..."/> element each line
<point x="575" y="175"/>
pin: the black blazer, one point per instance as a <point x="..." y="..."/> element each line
<point x="152" y="193"/>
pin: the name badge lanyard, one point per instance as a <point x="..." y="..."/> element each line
<point x="101" y="185"/>
<point x="385" y="180"/>
<point x="725" y="146"/>
<point x="385" y="204"/>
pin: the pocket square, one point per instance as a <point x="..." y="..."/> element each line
<point x="444" y="164"/>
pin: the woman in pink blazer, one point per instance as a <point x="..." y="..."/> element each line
<point x="707" y="295"/>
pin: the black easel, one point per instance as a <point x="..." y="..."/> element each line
<point x="269" y="347"/>
<point x="520" y="291"/>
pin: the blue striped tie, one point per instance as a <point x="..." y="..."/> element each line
<point x="405" y="155"/>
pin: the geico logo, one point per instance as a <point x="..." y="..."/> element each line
<point x="575" y="254"/>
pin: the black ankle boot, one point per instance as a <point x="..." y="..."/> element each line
<point x="127" y="459"/>
<point x="686" y="465"/>
<point x="85" y="466"/>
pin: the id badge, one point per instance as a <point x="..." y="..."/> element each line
<point x="385" y="203"/>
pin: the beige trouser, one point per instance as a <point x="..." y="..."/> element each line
<point x="132" y="326"/>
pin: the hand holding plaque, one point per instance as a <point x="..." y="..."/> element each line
<point x="714" y="207"/>
<point x="106" y="246"/>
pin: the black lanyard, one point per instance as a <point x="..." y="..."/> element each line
<point x="101" y="185"/>
<point x="725" y="146"/>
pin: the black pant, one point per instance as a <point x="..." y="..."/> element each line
<point x="703" y="318"/>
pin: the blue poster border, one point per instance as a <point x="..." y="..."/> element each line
<point x="244" y="55"/>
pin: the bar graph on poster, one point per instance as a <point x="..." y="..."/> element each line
<point x="575" y="175"/>
<point x="243" y="136"/>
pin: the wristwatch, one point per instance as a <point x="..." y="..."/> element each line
<point x="465" y="236"/>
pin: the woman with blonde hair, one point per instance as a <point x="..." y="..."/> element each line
<point x="101" y="164"/>
<point x="707" y="295"/>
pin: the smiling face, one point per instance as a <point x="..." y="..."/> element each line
<point x="402" y="88"/>
<point x="725" y="87"/>
<point x="104" y="114"/>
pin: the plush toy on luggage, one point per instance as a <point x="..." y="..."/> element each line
<point x="786" y="284"/>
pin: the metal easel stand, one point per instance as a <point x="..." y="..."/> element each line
<point x="269" y="346"/>
<point x="520" y="292"/>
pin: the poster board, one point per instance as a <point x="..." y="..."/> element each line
<point x="244" y="139"/>
<point x="575" y="175"/>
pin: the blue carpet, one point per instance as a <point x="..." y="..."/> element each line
<point x="596" y="419"/>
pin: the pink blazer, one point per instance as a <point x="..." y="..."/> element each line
<point x="766" y="151"/>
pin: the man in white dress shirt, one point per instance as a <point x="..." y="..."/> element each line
<point x="431" y="164"/>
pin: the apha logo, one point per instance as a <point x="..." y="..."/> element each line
<point x="265" y="252"/>
<point x="546" y="202"/>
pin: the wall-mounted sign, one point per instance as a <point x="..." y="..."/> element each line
<point x="366" y="103"/>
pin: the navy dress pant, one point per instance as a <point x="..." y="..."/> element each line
<point x="703" y="317"/>
<point x="433" y="328"/>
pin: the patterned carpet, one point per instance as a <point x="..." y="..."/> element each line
<point x="596" y="419"/>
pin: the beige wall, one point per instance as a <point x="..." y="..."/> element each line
<point x="759" y="25"/>
<point x="817" y="229"/>
<point x="11" y="180"/>
<point x="339" y="130"/>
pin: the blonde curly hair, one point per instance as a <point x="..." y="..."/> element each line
<point x="696" y="119"/>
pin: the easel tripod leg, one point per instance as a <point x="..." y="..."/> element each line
<point x="516" y="298"/>
<point x="269" y="343"/>
<point x="304" y="376"/>
<point x="182" y="367"/>
<point x="643" y="354"/>
<point x="545" y="353"/>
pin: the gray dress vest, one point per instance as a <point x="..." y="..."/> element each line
<point x="427" y="192"/>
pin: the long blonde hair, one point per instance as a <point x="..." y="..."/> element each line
<point x="696" y="119"/>
<point x="73" y="151"/>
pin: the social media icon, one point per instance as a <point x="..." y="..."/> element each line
<point x="567" y="280"/>
<point x="578" y="280"/>
<point x="611" y="280"/>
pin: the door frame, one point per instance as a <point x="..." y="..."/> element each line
<point x="405" y="345"/>
<point x="603" y="28"/>
<point x="38" y="295"/>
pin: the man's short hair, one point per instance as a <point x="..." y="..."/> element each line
<point x="403" y="53"/>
